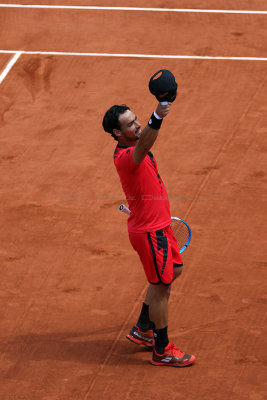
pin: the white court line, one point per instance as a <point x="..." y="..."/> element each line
<point x="125" y="55"/>
<point x="10" y="65"/>
<point x="188" y="10"/>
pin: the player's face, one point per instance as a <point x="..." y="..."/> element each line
<point x="130" y="129"/>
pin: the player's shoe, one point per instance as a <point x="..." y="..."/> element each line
<point x="172" y="357"/>
<point x="144" y="338"/>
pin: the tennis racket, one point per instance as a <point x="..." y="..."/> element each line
<point x="181" y="229"/>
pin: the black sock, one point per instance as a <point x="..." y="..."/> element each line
<point x="144" y="322"/>
<point x="161" y="339"/>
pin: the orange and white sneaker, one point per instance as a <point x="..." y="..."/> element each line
<point x="144" y="338"/>
<point x="172" y="357"/>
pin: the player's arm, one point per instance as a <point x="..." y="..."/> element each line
<point x="149" y="134"/>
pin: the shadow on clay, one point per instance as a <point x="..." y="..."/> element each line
<point x="95" y="349"/>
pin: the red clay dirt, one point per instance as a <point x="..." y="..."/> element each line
<point x="71" y="285"/>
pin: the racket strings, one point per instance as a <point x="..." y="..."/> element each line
<point x="180" y="231"/>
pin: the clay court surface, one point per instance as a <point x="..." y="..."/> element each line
<point x="71" y="285"/>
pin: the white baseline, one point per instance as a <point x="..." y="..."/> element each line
<point x="125" y="55"/>
<point x="181" y="10"/>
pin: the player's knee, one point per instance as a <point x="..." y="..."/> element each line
<point x="161" y="290"/>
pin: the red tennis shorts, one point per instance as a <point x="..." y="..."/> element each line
<point x="159" y="254"/>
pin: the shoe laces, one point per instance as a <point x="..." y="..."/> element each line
<point x="174" y="350"/>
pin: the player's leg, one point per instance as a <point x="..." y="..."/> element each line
<point x="154" y="308"/>
<point x="142" y="332"/>
<point x="157" y="298"/>
<point x="164" y="352"/>
<point x="156" y="254"/>
<point x="144" y="321"/>
<point x="156" y="257"/>
<point x="169" y="355"/>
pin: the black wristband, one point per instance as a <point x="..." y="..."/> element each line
<point x="154" y="122"/>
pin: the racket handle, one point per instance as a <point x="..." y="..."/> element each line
<point x="164" y="103"/>
<point x="124" y="209"/>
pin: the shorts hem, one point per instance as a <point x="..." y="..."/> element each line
<point x="157" y="283"/>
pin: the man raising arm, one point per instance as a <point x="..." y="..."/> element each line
<point x="149" y="227"/>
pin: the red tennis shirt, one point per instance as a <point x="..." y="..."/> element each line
<point x="144" y="191"/>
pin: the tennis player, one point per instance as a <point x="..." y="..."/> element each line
<point x="149" y="227"/>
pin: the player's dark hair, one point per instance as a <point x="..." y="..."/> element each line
<point x="111" y="119"/>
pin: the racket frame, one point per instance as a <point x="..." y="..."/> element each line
<point x="189" y="233"/>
